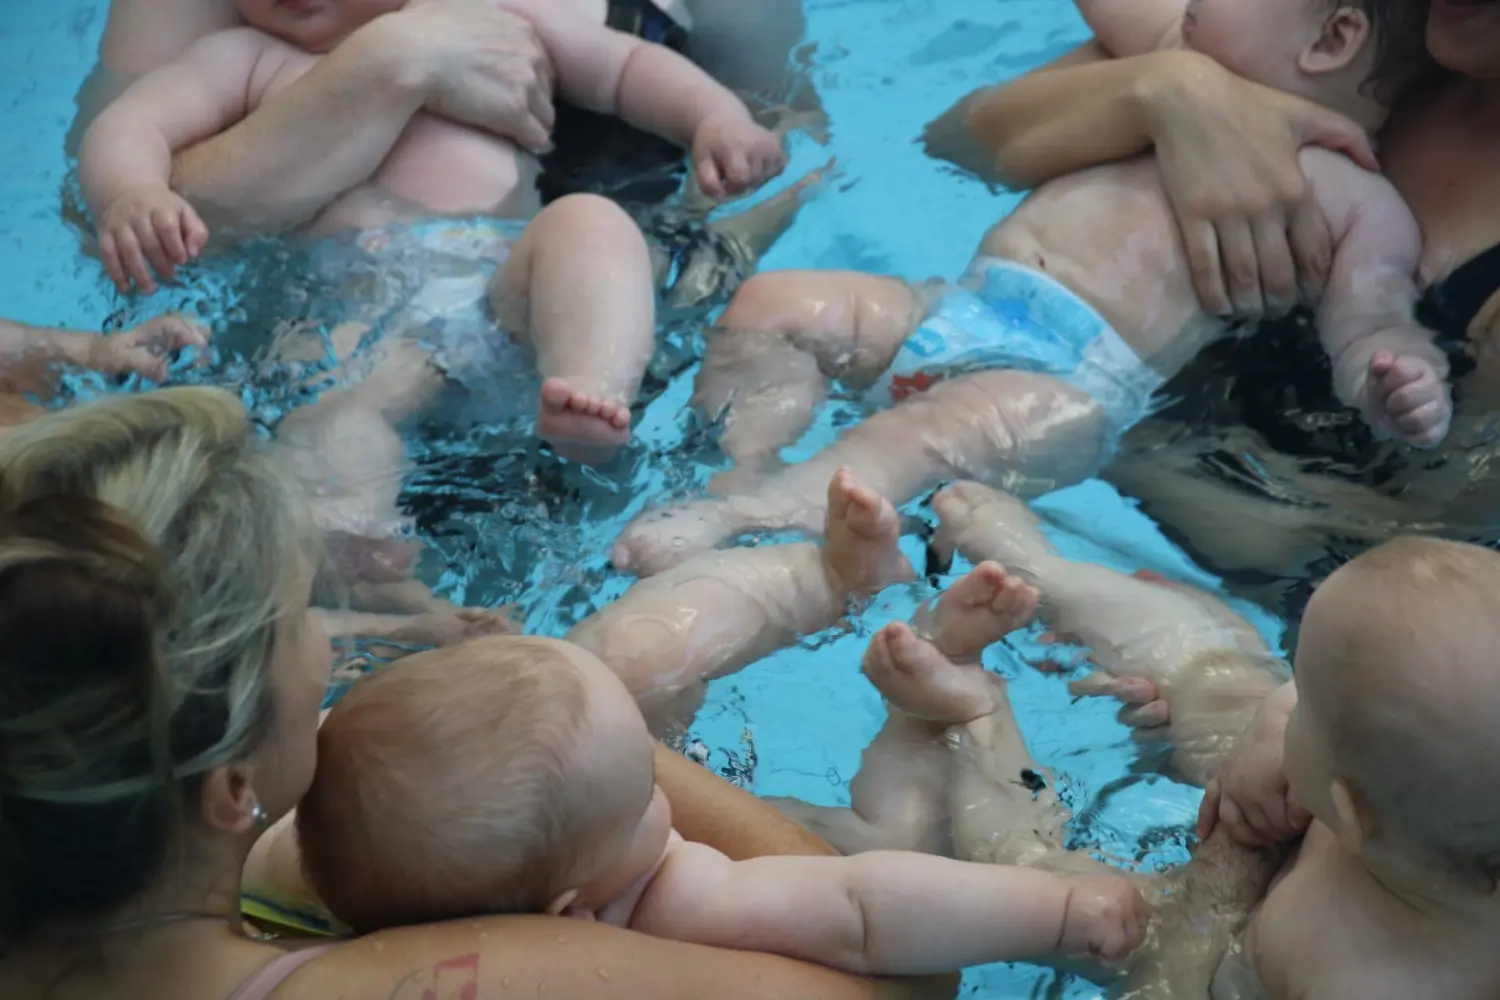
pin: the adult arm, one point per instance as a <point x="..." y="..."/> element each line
<point x="1201" y="919"/>
<point x="464" y="59"/>
<point x="707" y="809"/>
<point x="30" y="355"/>
<point x="1250" y="797"/>
<point x="501" y="957"/>
<point x="1226" y="147"/>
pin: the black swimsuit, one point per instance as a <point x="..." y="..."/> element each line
<point x="600" y="154"/>
<point x="1278" y="382"/>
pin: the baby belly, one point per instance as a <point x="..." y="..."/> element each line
<point x="440" y="168"/>
<point x="1115" y="246"/>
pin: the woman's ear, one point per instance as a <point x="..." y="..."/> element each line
<point x="228" y="802"/>
<point x="563" y="906"/>
<point x="1344" y="37"/>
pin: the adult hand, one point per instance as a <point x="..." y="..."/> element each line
<point x="1250" y="797"/>
<point x="147" y="349"/>
<point x="485" y="67"/>
<point x="1255" y="237"/>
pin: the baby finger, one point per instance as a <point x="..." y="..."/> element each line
<point x="109" y="253"/>
<point x="168" y="226"/>
<point x="134" y="260"/>
<point x="145" y="234"/>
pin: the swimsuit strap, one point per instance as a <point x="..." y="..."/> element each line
<point x="1450" y="305"/>
<point x="263" y="982"/>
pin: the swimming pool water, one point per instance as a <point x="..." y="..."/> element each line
<point x="511" y="524"/>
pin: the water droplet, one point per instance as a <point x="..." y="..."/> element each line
<point x="603" y="975"/>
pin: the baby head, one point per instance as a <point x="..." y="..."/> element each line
<point x="1347" y="55"/>
<point x="1395" y="741"/>
<point x="313" y="25"/>
<point x="506" y="775"/>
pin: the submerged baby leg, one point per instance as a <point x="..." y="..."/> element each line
<point x="783" y="336"/>
<point x="1030" y="432"/>
<point x="899" y="798"/>
<point x="670" y="634"/>
<point x="581" y="276"/>
<point x="1170" y="652"/>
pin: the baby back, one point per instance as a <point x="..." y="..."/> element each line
<point x="435" y="167"/>
<point x="1109" y="234"/>
<point x="1329" y="931"/>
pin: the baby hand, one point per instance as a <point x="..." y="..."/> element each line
<point x="1251" y="796"/>
<point x="732" y="154"/>
<point x="147" y="228"/>
<point x="1105" y="918"/>
<point x="1409" y="398"/>
<point x="147" y="349"/>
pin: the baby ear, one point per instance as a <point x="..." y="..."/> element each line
<point x="563" y="906"/>
<point x="1354" y="818"/>
<point x="1342" y="40"/>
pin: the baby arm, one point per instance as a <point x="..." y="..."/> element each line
<point x="125" y="162"/>
<point x="1384" y="362"/>
<point x="887" y="911"/>
<point x="658" y="91"/>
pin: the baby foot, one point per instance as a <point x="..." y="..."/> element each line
<point x="979" y="610"/>
<point x="1410" y="398"/>
<point x="985" y="523"/>
<point x="915" y="677"/>
<point x="580" y="426"/>
<point x="861" y="538"/>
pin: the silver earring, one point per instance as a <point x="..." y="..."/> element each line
<point x="258" y="816"/>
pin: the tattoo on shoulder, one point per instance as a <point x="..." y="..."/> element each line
<point x="455" y="978"/>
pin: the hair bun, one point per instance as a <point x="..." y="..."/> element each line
<point x="82" y="596"/>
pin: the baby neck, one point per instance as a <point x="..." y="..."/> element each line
<point x="1346" y="93"/>
<point x="1436" y="895"/>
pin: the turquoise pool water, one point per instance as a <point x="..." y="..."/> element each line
<point x="510" y="524"/>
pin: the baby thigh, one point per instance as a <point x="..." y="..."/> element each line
<point x="782" y="337"/>
<point x="1022" y="432"/>
<point x="670" y="634"/>
<point x="899" y="798"/>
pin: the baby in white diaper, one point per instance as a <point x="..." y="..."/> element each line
<point x="578" y="282"/>
<point x="1073" y="312"/>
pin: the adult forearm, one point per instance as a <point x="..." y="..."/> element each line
<point x="18" y="341"/>
<point x="1201" y="919"/>
<point x="708" y="810"/>
<point x="328" y="131"/>
<point x="1081" y="111"/>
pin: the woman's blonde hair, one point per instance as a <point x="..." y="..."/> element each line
<point x="147" y="544"/>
